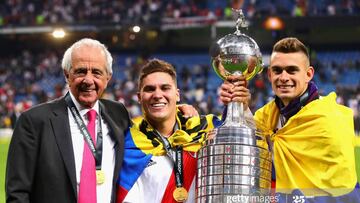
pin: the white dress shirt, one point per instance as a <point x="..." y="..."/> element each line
<point x="103" y="191"/>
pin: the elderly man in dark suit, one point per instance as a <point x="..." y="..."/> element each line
<point x="70" y="149"/>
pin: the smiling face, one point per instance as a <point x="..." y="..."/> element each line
<point x="88" y="76"/>
<point x="158" y="95"/>
<point x="289" y="74"/>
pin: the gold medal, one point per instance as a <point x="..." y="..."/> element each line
<point x="180" y="194"/>
<point x="100" y="177"/>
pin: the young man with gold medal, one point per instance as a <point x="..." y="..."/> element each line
<point x="160" y="149"/>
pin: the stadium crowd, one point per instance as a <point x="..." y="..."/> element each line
<point x="30" y="79"/>
<point x="30" y="13"/>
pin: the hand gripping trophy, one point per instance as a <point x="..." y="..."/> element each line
<point x="235" y="163"/>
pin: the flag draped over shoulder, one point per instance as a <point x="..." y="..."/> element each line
<point x="314" y="150"/>
<point x="141" y="144"/>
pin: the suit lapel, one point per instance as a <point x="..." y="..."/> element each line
<point x="61" y="129"/>
<point x="115" y="131"/>
<point x="116" y="134"/>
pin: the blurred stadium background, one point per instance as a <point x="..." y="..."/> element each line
<point x="34" y="35"/>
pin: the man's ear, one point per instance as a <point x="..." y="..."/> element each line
<point x="177" y="95"/>
<point x="268" y="72"/>
<point x="66" y="74"/>
<point x="108" y="78"/>
<point x="139" y="97"/>
<point x="310" y="73"/>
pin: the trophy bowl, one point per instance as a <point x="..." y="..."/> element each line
<point x="236" y="54"/>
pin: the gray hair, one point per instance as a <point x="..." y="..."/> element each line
<point x="66" y="61"/>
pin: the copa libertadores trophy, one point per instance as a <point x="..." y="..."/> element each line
<point x="233" y="165"/>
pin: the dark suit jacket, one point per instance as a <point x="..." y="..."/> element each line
<point x="41" y="164"/>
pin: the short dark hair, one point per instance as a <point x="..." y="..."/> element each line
<point x="290" y="45"/>
<point x="156" y="65"/>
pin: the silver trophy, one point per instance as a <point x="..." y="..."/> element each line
<point x="236" y="163"/>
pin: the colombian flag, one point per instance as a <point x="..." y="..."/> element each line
<point x="313" y="152"/>
<point x="141" y="145"/>
<point x="134" y="162"/>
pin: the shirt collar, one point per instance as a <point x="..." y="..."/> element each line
<point x="82" y="110"/>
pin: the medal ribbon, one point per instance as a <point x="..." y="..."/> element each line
<point x="177" y="160"/>
<point x="96" y="152"/>
<point x="178" y="165"/>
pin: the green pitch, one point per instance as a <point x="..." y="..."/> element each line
<point x="4" y="145"/>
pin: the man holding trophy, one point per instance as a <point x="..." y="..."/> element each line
<point x="307" y="138"/>
<point x="311" y="136"/>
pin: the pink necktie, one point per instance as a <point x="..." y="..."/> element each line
<point x="87" y="188"/>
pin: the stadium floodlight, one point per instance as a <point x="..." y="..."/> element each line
<point x="58" y="33"/>
<point x="136" y="29"/>
<point x="274" y="23"/>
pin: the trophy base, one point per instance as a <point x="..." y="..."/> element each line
<point x="233" y="165"/>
